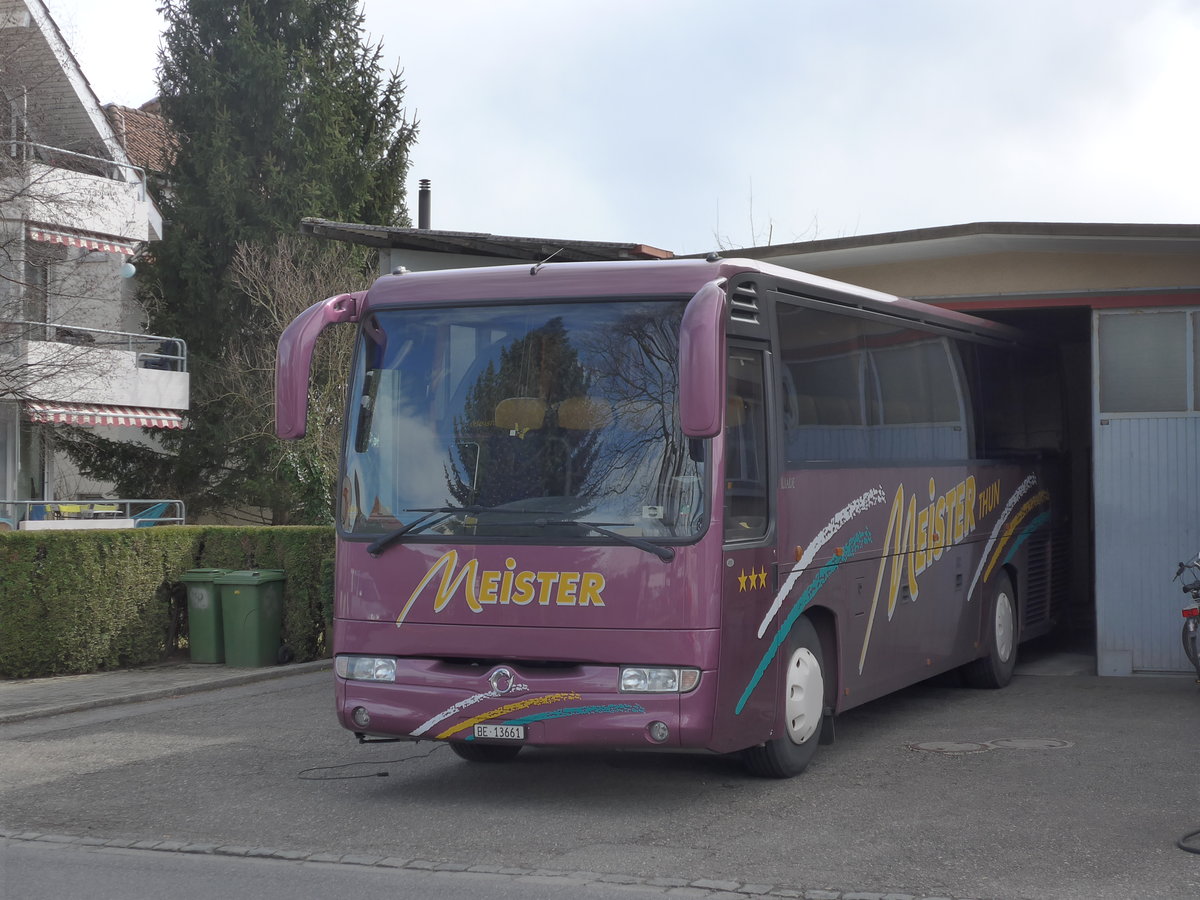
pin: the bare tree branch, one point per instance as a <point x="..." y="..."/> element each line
<point x="282" y="280"/>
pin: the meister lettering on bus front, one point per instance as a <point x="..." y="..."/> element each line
<point x="505" y="586"/>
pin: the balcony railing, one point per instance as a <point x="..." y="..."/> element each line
<point x="44" y="515"/>
<point x="59" y="158"/>
<point x="153" y="351"/>
<point x="80" y="364"/>
<point x="64" y="189"/>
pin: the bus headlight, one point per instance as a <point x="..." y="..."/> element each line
<point x="366" y="668"/>
<point x="654" y="680"/>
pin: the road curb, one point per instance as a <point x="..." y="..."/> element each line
<point x="230" y="678"/>
<point x="700" y="887"/>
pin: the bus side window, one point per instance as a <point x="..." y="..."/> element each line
<point x="745" y="448"/>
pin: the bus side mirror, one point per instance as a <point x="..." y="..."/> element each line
<point x="702" y="362"/>
<point x="293" y="359"/>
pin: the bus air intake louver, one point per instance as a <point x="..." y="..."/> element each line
<point x="743" y="304"/>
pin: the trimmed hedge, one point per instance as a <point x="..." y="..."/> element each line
<point x="80" y="601"/>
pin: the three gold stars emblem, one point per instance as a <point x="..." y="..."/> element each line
<point x="752" y="580"/>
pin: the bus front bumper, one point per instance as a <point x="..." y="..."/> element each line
<point x="578" y="706"/>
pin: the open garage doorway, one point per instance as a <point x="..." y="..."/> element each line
<point x="1067" y="333"/>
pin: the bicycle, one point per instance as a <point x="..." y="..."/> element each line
<point x="1191" y="613"/>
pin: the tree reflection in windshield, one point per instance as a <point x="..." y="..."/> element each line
<point x="518" y="435"/>
<point x="566" y="410"/>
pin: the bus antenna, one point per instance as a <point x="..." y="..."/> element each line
<point x="534" y="270"/>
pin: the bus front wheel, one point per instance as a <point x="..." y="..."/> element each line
<point x="485" y="753"/>
<point x="803" y="702"/>
<point x="995" y="668"/>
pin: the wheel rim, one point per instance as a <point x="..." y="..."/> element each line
<point x="805" y="692"/>
<point x="1004" y="626"/>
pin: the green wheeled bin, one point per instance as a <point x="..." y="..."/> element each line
<point x="206" y="637"/>
<point x="252" y="613"/>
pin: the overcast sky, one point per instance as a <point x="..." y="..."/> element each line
<point x="693" y="124"/>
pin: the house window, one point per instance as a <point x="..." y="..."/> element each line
<point x="35" y="307"/>
<point x="11" y="131"/>
<point x="31" y="474"/>
<point x="1145" y="362"/>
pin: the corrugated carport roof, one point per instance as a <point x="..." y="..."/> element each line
<point x="523" y="249"/>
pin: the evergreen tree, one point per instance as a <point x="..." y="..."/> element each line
<point x="282" y="111"/>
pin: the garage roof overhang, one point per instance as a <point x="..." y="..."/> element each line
<point x="978" y="238"/>
<point x="504" y="249"/>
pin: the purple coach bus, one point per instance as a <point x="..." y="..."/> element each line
<point x="703" y="504"/>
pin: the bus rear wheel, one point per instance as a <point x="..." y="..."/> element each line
<point x="803" y="703"/>
<point x="995" y="668"/>
<point x="485" y="753"/>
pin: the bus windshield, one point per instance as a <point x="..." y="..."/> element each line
<point x="521" y="421"/>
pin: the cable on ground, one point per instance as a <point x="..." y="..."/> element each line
<point x="304" y="775"/>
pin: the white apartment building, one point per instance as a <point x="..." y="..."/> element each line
<point x="75" y="216"/>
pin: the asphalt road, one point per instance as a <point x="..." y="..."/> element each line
<point x="1058" y="787"/>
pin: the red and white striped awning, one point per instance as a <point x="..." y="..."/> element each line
<point x="84" y="241"/>
<point x="91" y="414"/>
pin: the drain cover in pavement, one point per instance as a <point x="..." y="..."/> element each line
<point x="1002" y="744"/>
<point x="1029" y="744"/>
<point x="949" y="747"/>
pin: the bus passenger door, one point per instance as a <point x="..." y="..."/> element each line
<point x="748" y="690"/>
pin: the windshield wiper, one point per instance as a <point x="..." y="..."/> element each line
<point x="666" y="554"/>
<point x="419" y="524"/>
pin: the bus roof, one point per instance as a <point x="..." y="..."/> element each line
<point x="557" y="281"/>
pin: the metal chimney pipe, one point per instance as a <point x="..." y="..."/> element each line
<point x="423" y="205"/>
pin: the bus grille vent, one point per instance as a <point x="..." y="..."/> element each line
<point x="743" y="304"/>
<point x="1037" y="584"/>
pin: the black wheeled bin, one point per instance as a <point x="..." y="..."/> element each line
<point x="252" y="613"/>
<point x="206" y="638"/>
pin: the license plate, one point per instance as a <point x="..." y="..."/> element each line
<point x="501" y="732"/>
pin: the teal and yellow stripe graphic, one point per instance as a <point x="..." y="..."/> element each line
<point x="856" y="543"/>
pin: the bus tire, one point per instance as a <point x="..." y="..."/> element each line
<point x="485" y="753"/>
<point x="803" y="702"/>
<point x="995" y="668"/>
